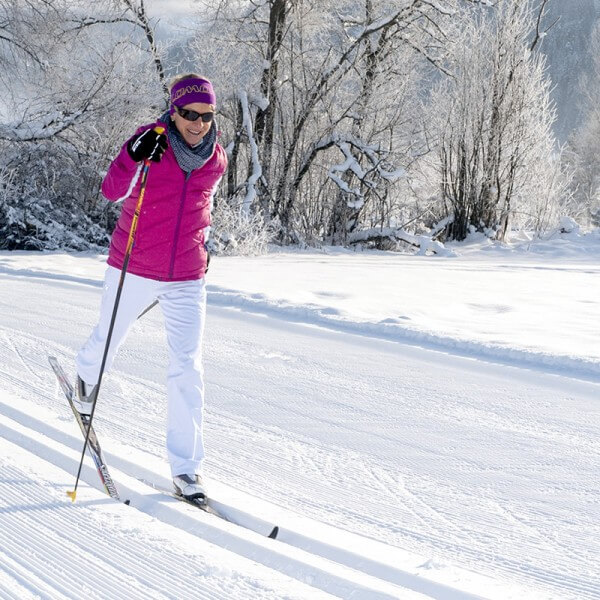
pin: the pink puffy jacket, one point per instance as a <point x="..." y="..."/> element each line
<point x="169" y="243"/>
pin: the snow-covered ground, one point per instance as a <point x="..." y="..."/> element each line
<point x="419" y="427"/>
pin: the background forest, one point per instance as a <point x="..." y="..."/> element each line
<point x="370" y="123"/>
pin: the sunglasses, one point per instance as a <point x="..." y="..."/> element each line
<point x="192" y="115"/>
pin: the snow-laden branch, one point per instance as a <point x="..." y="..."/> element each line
<point x="46" y="128"/>
<point x="344" y="141"/>
<point x="350" y="163"/>
<point x="424" y="243"/>
<point x="441" y="8"/>
<point x="256" y="166"/>
<point x="439" y="227"/>
<point x="76" y="25"/>
<point x="259" y="100"/>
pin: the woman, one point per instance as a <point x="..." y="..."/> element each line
<point x="167" y="263"/>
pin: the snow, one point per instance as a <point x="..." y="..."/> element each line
<point x="418" y="426"/>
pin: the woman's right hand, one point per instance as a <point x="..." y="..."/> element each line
<point x="149" y="144"/>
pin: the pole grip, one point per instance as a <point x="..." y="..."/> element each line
<point x="136" y="213"/>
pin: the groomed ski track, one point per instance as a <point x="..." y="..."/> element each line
<point x="367" y="507"/>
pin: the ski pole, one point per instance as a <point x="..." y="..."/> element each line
<point x="130" y="241"/>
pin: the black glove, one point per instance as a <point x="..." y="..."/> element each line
<point x="149" y="144"/>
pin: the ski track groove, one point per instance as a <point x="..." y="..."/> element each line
<point x="53" y="542"/>
<point x="432" y="512"/>
<point x="18" y="574"/>
<point x="12" y="346"/>
<point x="22" y="577"/>
<point x="547" y="538"/>
<point x="75" y="556"/>
<point x="381" y="510"/>
<point x="22" y="563"/>
<point x="77" y="552"/>
<point x="4" y="594"/>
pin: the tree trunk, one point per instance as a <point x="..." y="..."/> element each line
<point x="265" y="117"/>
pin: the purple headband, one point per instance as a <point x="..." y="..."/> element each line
<point x="192" y="90"/>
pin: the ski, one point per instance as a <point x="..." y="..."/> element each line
<point x="95" y="452"/>
<point x="83" y="420"/>
<point x="202" y="505"/>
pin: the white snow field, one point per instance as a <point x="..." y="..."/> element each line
<point x="418" y="427"/>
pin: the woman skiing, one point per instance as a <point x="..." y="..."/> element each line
<point x="167" y="263"/>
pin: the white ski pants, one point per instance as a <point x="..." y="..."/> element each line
<point x="183" y="304"/>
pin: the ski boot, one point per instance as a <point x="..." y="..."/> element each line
<point x="190" y="488"/>
<point x="84" y="401"/>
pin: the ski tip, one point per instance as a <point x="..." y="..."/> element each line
<point x="273" y="535"/>
<point x="72" y="495"/>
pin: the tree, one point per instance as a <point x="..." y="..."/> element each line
<point x="496" y="152"/>
<point x="583" y="150"/>
<point x="69" y="94"/>
<point x="318" y="105"/>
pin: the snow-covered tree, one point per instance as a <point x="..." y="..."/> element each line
<point x="583" y="151"/>
<point x="319" y="101"/>
<point x="71" y="93"/>
<point x="493" y="118"/>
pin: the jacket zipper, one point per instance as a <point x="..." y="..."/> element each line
<point x="178" y="225"/>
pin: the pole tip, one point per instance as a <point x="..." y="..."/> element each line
<point x="72" y="495"/>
